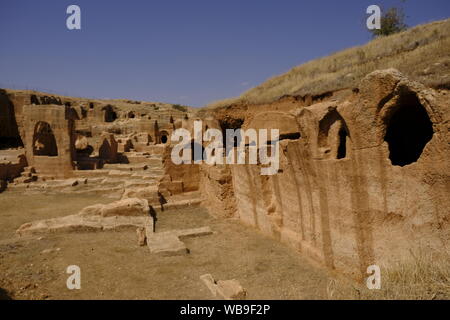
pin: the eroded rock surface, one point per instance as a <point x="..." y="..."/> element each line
<point x="129" y="213"/>
<point x="224" y="289"/>
<point x="169" y="243"/>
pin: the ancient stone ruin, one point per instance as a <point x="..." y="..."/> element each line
<point x="363" y="177"/>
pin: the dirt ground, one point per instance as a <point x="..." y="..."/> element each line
<point x="113" y="266"/>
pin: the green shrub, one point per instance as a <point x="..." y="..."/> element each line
<point x="392" y="21"/>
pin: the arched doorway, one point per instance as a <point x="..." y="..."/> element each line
<point x="333" y="135"/>
<point x="109" y="114"/>
<point x="44" y="142"/>
<point x="164" y="137"/>
<point x="408" y="130"/>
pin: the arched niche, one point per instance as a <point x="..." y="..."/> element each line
<point x="44" y="142"/>
<point x="408" y="129"/>
<point x="334" y="137"/>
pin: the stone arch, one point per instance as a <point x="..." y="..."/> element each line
<point x="332" y="141"/>
<point x="108" y="148"/>
<point x="408" y="129"/>
<point x="44" y="142"/>
<point x="109" y="114"/>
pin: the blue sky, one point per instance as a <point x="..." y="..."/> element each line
<point x="188" y="51"/>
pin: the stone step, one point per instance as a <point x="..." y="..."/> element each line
<point x="18" y="186"/>
<point x="136" y="178"/>
<point x="26" y="179"/>
<point x="139" y="183"/>
<point x="120" y="173"/>
<point x="111" y="182"/>
<point x="45" y="177"/>
<point x="126" y="167"/>
<point x="78" y="223"/>
<point x="169" y="243"/>
<point x="90" y="173"/>
<point x="181" y="204"/>
<point x="142" y="154"/>
<point x="154" y="150"/>
<point x="144" y="159"/>
<point x="66" y="182"/>
<point x="125" y="183"/>
<point x="95" y="181"/>
<point x="100" y="190"/>
<point x="77" y="185"/>
<point x="153" y="175"/>
<point x="155" y="165"/>
<point x="150" y="150"/>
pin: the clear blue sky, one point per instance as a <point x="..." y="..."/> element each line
<point x="186" y="51"/>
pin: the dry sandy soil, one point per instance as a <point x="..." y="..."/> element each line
<point x="113" y="266"/>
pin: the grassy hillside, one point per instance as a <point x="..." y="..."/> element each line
<point x="422" y="53"/>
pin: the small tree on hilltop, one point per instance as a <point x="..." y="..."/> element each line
<point x="392" y="21"/>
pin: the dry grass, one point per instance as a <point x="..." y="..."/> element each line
<point x="422" y="53"/>
<point x="425" y="277"/>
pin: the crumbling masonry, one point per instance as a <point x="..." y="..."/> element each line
<point x="363" y="178"/>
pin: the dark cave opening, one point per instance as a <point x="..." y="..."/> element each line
<point x="110" y="114"/>
<point x="342" y="148"/>
<point x="9" y="131"/>
<point x="44" y="142"/>
<point x="234" y="124"/>
<point x="333" y="134"/>
<point x="408" y="131"/>
<point x="10" y="143"/>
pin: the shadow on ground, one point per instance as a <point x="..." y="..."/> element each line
<point x="4" y="295"/>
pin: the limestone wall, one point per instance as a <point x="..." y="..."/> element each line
<point x="345" y="194"/>
<point x="85" y="133"/>
<point x="216" y="187"/>
<point x="59" y="124"/>
<point x="179" y="178"/>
